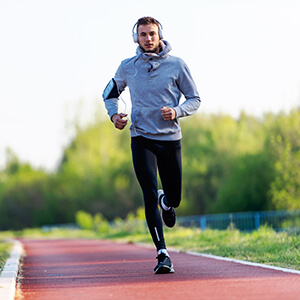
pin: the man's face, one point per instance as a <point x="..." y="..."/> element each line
<point x="148" y="38"/>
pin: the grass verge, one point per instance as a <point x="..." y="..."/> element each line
<point x="4" y="253"/>
<point x="262" y="246"/>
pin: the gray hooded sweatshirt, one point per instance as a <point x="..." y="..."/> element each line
<point x="154" y="81"/>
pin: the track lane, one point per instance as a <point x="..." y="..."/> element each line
<point x="95" y="269"/>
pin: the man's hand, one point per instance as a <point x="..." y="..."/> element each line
<point x="168" y="113"/>
<point x="118" y="120"/>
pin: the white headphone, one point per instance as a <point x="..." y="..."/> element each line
<point x="135" y="35"/>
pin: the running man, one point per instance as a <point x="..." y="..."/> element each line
<point x="156" y="82"/>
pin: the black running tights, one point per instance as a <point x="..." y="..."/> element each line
<point x="165" y="156"/>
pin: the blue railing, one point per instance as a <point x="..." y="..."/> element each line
<point x="245" y="221"/>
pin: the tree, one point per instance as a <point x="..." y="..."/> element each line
<point x="22" y="197"/>
<point x="246" y="186"/>
<point x="285" y="142"/>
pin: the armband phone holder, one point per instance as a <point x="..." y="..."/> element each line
<point x="111" y="90"/>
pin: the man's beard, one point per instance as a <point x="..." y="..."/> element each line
<point x="149" y="51"/>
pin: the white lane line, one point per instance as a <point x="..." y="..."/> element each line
<point x="248" y="263"/>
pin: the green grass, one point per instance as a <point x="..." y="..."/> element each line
<point x="4" y="253"/>
<point x="262" y="246"/>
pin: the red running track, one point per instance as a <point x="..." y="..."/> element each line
<point x="95" y="269"/>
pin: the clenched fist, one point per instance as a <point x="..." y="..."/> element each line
<point x="168" y="113"/>
<point x="118" y="120"/>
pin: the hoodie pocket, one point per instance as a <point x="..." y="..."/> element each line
<point x="149" y="120"/>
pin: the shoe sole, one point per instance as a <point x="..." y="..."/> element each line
<point x="164" y="270"/>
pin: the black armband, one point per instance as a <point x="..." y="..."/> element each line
<point x="111" y="90"/>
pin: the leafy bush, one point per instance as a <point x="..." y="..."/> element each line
<point x="84" y="220"/>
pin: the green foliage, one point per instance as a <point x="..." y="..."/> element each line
<point x="133" y="223"/>
<point x="285" y="141"/>
<point x="246" y="185"/>
<point x="84" y="220"/>
<point x="217" y="150"/>
<point x="101" y="224"/>
<point x="292" y="222"/>
<point x="22" y="195"/>
<point x="97" y="223"/>
<point x="4" y="253"/>
<point x="97" y="172"/>
<point x="229" y="165"/>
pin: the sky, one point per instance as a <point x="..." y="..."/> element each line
<point x="56" y="57"/>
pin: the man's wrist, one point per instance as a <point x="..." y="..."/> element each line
<point x="175" y="113"/>
<point x="112" y="118"/>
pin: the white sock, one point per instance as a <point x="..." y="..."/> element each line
<point x="163" y="205"/>
<point x="163" y="251"/>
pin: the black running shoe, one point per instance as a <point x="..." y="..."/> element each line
<point x="164" y="264"/>
<point x="168" y="216"/>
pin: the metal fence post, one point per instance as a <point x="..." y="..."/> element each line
<point x="203" y="222"/>
<point x="257" y="220"/>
